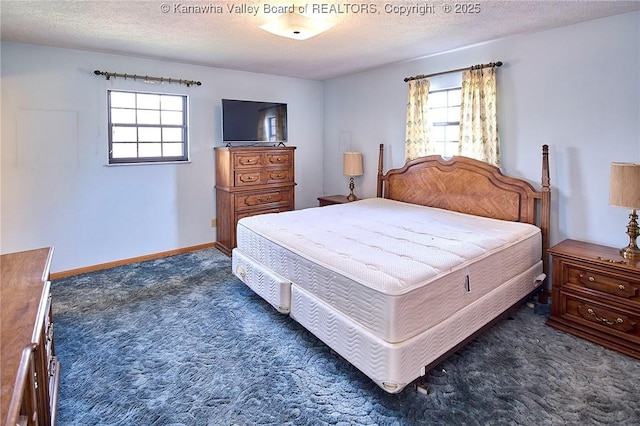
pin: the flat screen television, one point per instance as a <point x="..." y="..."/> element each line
<point x="253" y="121"/>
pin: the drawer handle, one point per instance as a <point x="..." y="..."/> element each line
<point x="604" y="320"/>
<point x="52" y="366"/>
<point x="621" y="287"/>
<point x="264" y="200"/>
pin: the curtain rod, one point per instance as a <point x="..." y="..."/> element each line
<point x="475" y="67"/>
<point x="147" y="78"/>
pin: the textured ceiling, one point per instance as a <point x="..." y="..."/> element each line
<point x="226" y="34"/>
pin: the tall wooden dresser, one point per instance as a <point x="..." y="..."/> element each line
<point x="251" y="181"/>
<point x="30" y="369"/>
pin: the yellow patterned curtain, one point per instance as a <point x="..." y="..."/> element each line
<point x="478" y="118"/>
<point x="417" y="141"/>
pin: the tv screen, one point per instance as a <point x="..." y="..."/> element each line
<point x="252" y="121"/>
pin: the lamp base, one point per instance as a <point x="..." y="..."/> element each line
<point x="632" y="251"/>
<point x="351" y="196"/>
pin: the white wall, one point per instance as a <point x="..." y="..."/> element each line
<point x="56" y="188"/>
<point x="576" y="89"/>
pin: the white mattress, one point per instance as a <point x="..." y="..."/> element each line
<point x="395" y="269"/>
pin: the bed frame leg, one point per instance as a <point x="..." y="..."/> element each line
<point x="421" y="387"/>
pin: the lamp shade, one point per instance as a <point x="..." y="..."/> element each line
<point x="352" y="164"/>
<point x="624" y="186"/>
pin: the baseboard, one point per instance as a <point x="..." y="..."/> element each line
<point x="64" y="274"/>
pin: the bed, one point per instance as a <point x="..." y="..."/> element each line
<point x="396" y="283"/>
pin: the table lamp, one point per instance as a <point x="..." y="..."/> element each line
<point x="352" y="166"/>
<point x="624" y="191"/>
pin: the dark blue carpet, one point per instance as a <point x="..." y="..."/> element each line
<point x="180" y="341"/>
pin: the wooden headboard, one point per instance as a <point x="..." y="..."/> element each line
<point x="471" y="186"/>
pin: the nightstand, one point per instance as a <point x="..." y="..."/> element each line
<point x="328" y="200"/>
<point x="595" y="295"/>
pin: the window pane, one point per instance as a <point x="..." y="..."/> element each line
<point x="172" y="149"/>
<point x="437" y="133"/>
<point x="122" y="99"/>
<point x="149" y="134"/>
<point x="124" y="134"/>
<point x="454" y="97"/>
<point x="171" y="118"/>
<point x="124" y="150"/>
<point x="171" y="102"/>
<point x="437" y="99"/>
<point x="148" y="117"/>
<point x="450" y="149"/>
<point x="171" y="135"/>
<point x="150" y="150"/>
<point x="124" y="116"/>
<point x="148" y="101"/>
<point x="453" y="114"/>
<point x="452" y="133"/>
<point x="438" y="115"/>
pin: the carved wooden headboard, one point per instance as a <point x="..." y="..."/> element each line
<point x="470" y="186"/>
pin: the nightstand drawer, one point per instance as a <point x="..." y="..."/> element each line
<point x="605" y="283"/>
<point x="605" y="319"/>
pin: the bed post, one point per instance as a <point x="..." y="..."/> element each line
<point x="545" y="217"/>
<point x="380" y="158"/>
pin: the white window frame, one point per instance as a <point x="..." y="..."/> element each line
<point x="147" y="159"/>
<point x="447" y="147"/>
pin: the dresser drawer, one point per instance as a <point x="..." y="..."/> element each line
<point x="261" y="211"/>
<point x="264" y="159"/>
<point x="262" y="176"/>
<point x="615" y="285"/>
<point x="270" y="198"/>
<point x="282" y="158"/>
<point x="247" y="159"/>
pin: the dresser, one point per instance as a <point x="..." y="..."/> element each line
<point x="30" y="369"/>
<point x="251" y="181"/>
<point x="595" y="295"/>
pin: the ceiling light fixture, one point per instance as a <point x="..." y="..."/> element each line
<point x="296" y="26"/>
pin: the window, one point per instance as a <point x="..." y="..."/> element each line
<point x="147" y="127"/>
<point x="444" y="113"/>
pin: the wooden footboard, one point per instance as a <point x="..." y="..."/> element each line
<point x="471" y="186"/>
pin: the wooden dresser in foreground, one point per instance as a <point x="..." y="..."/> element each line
<point x="595" y="294"/>
<point x="251" y="181"/>
<point x="30" y="370"/>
